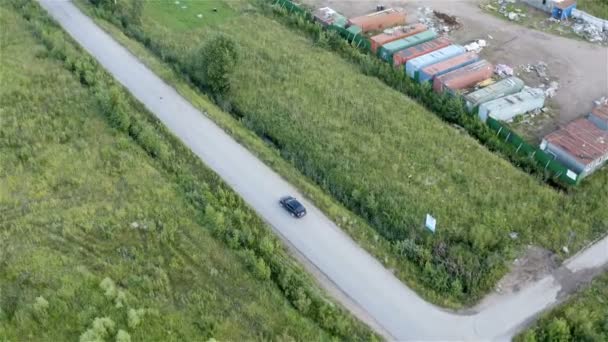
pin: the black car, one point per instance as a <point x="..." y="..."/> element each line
<point x="295" y="208"/>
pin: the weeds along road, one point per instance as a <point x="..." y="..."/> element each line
<point x="364" y="284"/>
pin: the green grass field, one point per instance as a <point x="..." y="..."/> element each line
<point x="582" y="318"/>
<point x="598" y="8"/>
<point x="99" y="238"/>
<point x="385" y="157"/>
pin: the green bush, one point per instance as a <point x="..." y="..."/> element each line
<point x="211" y="64"/>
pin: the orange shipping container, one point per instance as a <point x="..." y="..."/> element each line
<point x="384" y="38"/>
<point x="379" y="20"/>
<point x="401" y="57"/>
<point x="464" y="77"/>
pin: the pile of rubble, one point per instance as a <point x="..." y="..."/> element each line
<point x="437" y="21"/>
<point x="541" y="71"/>
<point x="503" y="9"/>
<point x="589" y="31"/>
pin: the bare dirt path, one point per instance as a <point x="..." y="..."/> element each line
<point x="581" y="68"/>
<point x="338" y="262"/>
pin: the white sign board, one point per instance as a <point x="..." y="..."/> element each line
<point x="571" y="175"/>
<point x="430" y="222"/>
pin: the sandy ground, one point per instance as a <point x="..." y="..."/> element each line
<point x="581" y="68"/>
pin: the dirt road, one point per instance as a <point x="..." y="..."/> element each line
<point x="581" y="68"/>
<point x="362" y="280"/>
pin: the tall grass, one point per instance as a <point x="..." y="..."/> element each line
<point x="384" y="156"/>
<point x="112" y="229"/>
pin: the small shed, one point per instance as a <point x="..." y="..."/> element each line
<point x="563" y="9"/>
<point x="580" y="145"/>
<point x="508" y="107"/>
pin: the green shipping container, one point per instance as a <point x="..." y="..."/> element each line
<point x="386" y="51"/>
<point x="354" y="29"/>
<point x="340" y="20"/>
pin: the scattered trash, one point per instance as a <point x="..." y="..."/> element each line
<point x="199" y="15"/>
<point x="566" y="250"/>
<point x="476" y="45"/>
<point x="513" y="16"/>
<point x="513" y="235"/>
<point x="184" y="7"/>
<point x="134" y="225"/>
<point x="550" y="92"/>
<point x="590" y="32"/>
<point x="438" y="21"/>
<point x="379" y="8"/>
<point x="503" y="70"/>
<point x="602" y="101"/>
<point x="490" y="37"/>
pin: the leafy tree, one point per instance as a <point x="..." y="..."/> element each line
<point x="558" y="331"/>
<point x="210" y="65"/>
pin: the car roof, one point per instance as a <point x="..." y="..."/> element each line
<point x="294" y="202"/>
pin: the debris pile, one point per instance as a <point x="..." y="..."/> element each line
<point x="602" y="101"/>
<point x="476" y="45"/>
<point x="550" y="92"/>
<point x="589" y="31"/>
<point x="438" y="21"/>
<point x="503" y="70"/>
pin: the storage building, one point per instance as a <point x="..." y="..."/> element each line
<point x="580" y="145"/>
<point x="386" y="51"/>
<point x="563" y="9"/>
<point x="506" y="108"/>
<point x="427" y="74"/>
<point x="390" y="35"/>
<point x="599" y="116"/>
<point x="494" y="91"/>
<point x="379" y="20"/>
<point x="464" y="77"/>
<point x="404" y="56"/>
<point x="413" y="66"/>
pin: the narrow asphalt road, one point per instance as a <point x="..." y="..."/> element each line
<point x="393" y="306"/>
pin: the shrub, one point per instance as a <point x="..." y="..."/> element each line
<point x="123" y="336"/>
<point x="211" y="64"/>
<point x="99" y="331"/>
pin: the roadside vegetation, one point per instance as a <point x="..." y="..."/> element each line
<point x="379" y="153"/>
<point x="111" y="230"/>
<point x="584" y="317"/>
<point x="598" y="8"/>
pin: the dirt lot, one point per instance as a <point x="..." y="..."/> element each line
<point x="581" y="68"/>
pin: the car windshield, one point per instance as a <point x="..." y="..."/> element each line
<point x="297" y="206"/>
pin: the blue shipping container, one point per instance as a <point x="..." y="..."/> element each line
<point x="413" y="66"/>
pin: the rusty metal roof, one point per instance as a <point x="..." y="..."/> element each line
<point x="564" y="4"/>
<point x="581" y="139"/>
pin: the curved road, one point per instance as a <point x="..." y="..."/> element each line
<point x="400" y="313"/>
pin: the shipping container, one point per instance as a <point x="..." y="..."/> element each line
<point x="464" y="77"/>
<point x="327" y="16"/>
<point x="413" y="66"/>
<point x="391" y="35"/>
<point x="380" y="20"/>
<point x="386" y="51"/>
<point x="495" y="91"/>
<point x="355" y="30"/>
<point x="427" y="74"/>
<point x="599" y="116"/>
<point x="506" y="108"/>
<point x="403" y="56"/>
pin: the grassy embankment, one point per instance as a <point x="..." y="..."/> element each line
<point x="598" y="8"/>
<point x="380" y="154"/>
<point x="581" y="318"/>
<point x="111" y="229"/>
